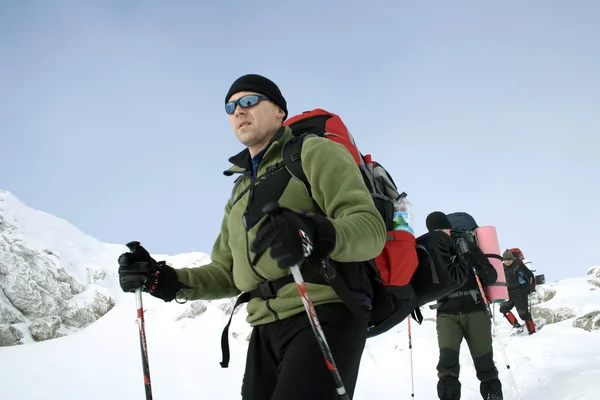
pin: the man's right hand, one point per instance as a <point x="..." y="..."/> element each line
<point x="137" y="271"/>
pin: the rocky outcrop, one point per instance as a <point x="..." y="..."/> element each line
<point x="550" y="316"/>
<point x="542" y="294"/>
<point x="192" y="310"/>
<point x="45" y="328"/>
<point x="227" y="306"/>
<point x="38" y="287"/>
<point x="42" y="288"/>
<point x="33" y="282"/>
<point x="84" y="313"/>
<point x="9" y="335"/>
<point x="589" y="322"/>
<point x="593" y="276"/>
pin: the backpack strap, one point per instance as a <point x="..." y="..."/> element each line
<point x="417" y="316"/>
<point x="292" y="159"/>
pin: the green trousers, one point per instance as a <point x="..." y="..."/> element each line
<point x="476" y="329"/>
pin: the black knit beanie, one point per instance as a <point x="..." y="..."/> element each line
<point x="437" y="220"/>
<point x="258" y="84"/>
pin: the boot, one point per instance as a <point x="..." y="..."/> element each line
<point x="448" y="388"/>
<point x="491" y="390"/>
<point x="512" y="319"/>
<point x="530" y="326"/>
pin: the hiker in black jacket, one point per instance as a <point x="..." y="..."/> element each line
<point x="519" y="280"/>
<point x="463" y="314"/>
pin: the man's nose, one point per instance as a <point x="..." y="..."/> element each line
<point x="239" y="110"/>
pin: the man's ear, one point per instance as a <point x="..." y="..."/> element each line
<point x="280" y="113"/>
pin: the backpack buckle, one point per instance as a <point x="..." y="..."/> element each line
<point x="327" y="271"/>
<point x="267" y="291"/>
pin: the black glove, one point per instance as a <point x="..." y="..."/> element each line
<point x="294" y="236"/>
<point x="138" y="270"/>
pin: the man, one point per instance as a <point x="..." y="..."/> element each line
<point x="340" y="221"/>
<point x="519" y="281"/>
<point x="463" y="314"/>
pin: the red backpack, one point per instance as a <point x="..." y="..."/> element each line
<point x="517" y="253"/>
<point x="392" y="270"/>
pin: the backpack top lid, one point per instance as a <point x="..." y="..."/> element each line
<point x="462" y="221"/>
<point x="324" y="123"/>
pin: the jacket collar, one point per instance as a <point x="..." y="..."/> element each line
<point x="242" y="161"/>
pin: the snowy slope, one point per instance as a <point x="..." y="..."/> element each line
<point x="102" y="360"/>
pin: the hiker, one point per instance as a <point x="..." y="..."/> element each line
<point x="463" y="314"/>
<point x="519" y="281"/>
<point x="284" y="360"/>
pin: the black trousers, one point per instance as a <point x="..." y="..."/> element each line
<point x="520" y="300"/>
<point x="284" y="359"/>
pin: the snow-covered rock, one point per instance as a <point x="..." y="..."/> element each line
<point x="542" y="294"/>
<point x="9" y="335"/>
<point x="51" y="274"/>
<point x="193" y="309"/>
<point x="45" y="328"/>
<point x="589" y="321"/>
<point x="593" y="276"/>
<point x="550" y="316"/>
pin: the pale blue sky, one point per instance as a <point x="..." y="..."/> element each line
<point x="111" y="115"/>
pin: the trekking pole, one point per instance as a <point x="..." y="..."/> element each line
<point x="272" y="209"/>
<point x="319" y="334"/>
<point x="487" y="304"/>
<point x="141" y="324"/>
<point x="412" y="379"/>
<point x="133" y="247"/>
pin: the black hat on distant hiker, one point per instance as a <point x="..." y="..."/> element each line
<point x="437" y="220"/>
<point x="507" y="255"/>
<point x="261" y="85"/>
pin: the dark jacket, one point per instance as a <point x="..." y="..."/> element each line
<point x="468" y="298"/>
<point x="518" y="277"/>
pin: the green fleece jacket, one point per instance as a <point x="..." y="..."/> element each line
<point x="338" y="189"/>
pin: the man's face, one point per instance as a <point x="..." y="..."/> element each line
<point x="255" y="125"/>
<point x="508" y="263"/>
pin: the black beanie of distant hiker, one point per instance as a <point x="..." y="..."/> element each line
<point x="258" y="84"/>
<point x="437" y="220"/>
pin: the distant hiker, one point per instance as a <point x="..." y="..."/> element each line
<point x="339" y="220"/>
<point x="519" y="280"/>
<point x="463" y="314"/>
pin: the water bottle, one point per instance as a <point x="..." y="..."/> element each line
<point x="403" y="216"/>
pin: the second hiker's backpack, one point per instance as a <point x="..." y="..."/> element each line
<point x="436" y="276"/>
<point x="463" y="229"/>
<point x="392" y="270"/>
<point x="517" y="253"/>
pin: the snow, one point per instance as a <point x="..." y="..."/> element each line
<point x="102" y="361"/>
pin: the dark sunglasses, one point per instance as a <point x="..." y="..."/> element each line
<point x="246" y="101"/>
